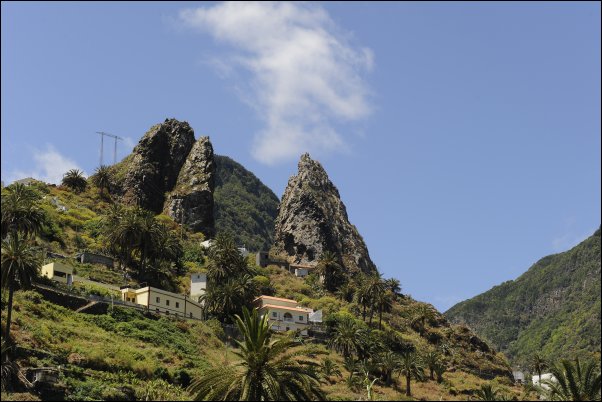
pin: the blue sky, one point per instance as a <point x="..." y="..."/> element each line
<point x="464" y="138"/>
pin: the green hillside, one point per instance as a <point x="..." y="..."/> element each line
<point x="112" y="353"/>
<point x="553" y="308"/>
<point x="244" y="206"/>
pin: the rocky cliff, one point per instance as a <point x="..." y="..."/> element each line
<point x="553" y="308"/>
<point x="191" y="200"/>
<point x="154" y="166"/>
<point x="312" y="219"/>
<point x="169" y="172"/>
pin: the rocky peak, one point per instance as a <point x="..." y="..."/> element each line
<point x="191" y="200"/>
<point x="156" y="162"/>
<point x="312" y="219"/>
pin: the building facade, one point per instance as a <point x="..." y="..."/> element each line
<point x="163" y="302"/>
<point x="284" y="314"/>
<point x="58" y="272"/>
<point x="198" y="285"/>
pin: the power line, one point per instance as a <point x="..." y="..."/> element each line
<point x="102" y="136"/>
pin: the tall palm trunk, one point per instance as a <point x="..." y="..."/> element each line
<point x="364" y="313"/>
<point x="408" y="391"/>
<point x="9" y="314"/>
<point x="371" y="313"/>
<point x="380" y="318"/>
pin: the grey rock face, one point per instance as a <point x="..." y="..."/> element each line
<point x="191" y="200"/>
<point x="312" y="219"/>
<point x="156" y="164"/>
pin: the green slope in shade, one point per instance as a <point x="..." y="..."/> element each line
<point x="553" y="308"/>
<point x="244" y="206"/>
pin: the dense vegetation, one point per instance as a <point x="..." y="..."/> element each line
<point x="553" y="308"/>
<point x="375" y="342"/>
<point x="244" y="206"/>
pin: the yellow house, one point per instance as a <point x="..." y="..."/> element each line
<point x="284" y="314"/>
<point x="58" y="272"/>
<point x="162" y="301"/>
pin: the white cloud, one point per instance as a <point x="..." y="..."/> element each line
<point x="306" y="77"/>
<point x="49" y="166"/>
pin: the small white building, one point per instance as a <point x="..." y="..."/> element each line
<point x="284" y="314"/>
<point x="162" y="301"/>
<point x="58" y="272"/>
<point x="541" y="381"/>
<point x="198" y="285"/>
<point x="207" y="243"/>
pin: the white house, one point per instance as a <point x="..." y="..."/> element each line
<point x="198" y="285"/>
<point x="544" y="377"/>
<point x="58" y="272"/>
<point x="284" y="314"/>
<point x="162" y="301"/>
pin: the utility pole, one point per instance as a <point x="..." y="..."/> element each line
<point x="102" y="136"/>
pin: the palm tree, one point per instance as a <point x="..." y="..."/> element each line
<point x="10" y="369"/>
<point x="488" y="393"/>
<point x="393" y="285"/>
<point x="388" y="363"/>
<point x="574" y="382"/>
<point x="75" y="180"/>
<point x="347" y="338"/>
<point x="227" y="299"/>
<point x="102" y="178"/>
<point x="410" y="367"/>
<point x="376" y="287"/>
<point x="362" y="295"/>
<point x="384" y="303"/>
<point x="346" y="291"/>
<point x="330" y="369"/>
<point x="225" y="261"/>
<point x="439" y="370"/>
<point x="21" y="212"/>
<point x="19" y="264"/>
<point x="421" y="314"/>
<point x="268" y="370"/>
<point x="431" y="359"/>
<point x="538" y="363"/>
<point x="331" y="271"/>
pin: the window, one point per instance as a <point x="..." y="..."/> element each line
<point x="60" y="274"/>
<point x="190" y="315"/>
<point x="158" y="299"/>
<point x="300" y="318"/>
<point x="167" y="302"/>
<point x="177" y="305"/>
<point x="274" y="314"/>
<point x="288" y="317"/>
<point x="157" y="310"/>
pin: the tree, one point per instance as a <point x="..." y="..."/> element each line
<point x="440" y="370"/>
<point x="362" y="294"/>
<point x="225" y="261"/>
<point x="268" y="370"/>
<point x="75" y="180"/>
<point x="21" y="212"/>
<point x="330" y="369"/>
<point x="346" y="292"/>
<point x="421" y="314"/>
<point x="432" y="360"/>
<point x="538" y="364"/>
<point x="10" y="369"/>
<point x="384" y="304"/>
<point x="229" y="298"/>
<point x="347" y="338"/>
<point x="574" y="382"/>
<point x="19" y="264"/>
<point x="331" y="271"/>
<point x="410" y="367"/>
<point x="375" y="287"/>
<point x="393" y="285"/>
<point x="388" y="363"/>
<point x="102" y="178"/>
<point x="488" y="393"/>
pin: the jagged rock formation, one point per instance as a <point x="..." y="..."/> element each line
<point x="553" y="308"/>
<point x="191" y="200"/>
<point x="154" y="166"/>
<point x="169" y="172"/>
<point x="312" y="219"/>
